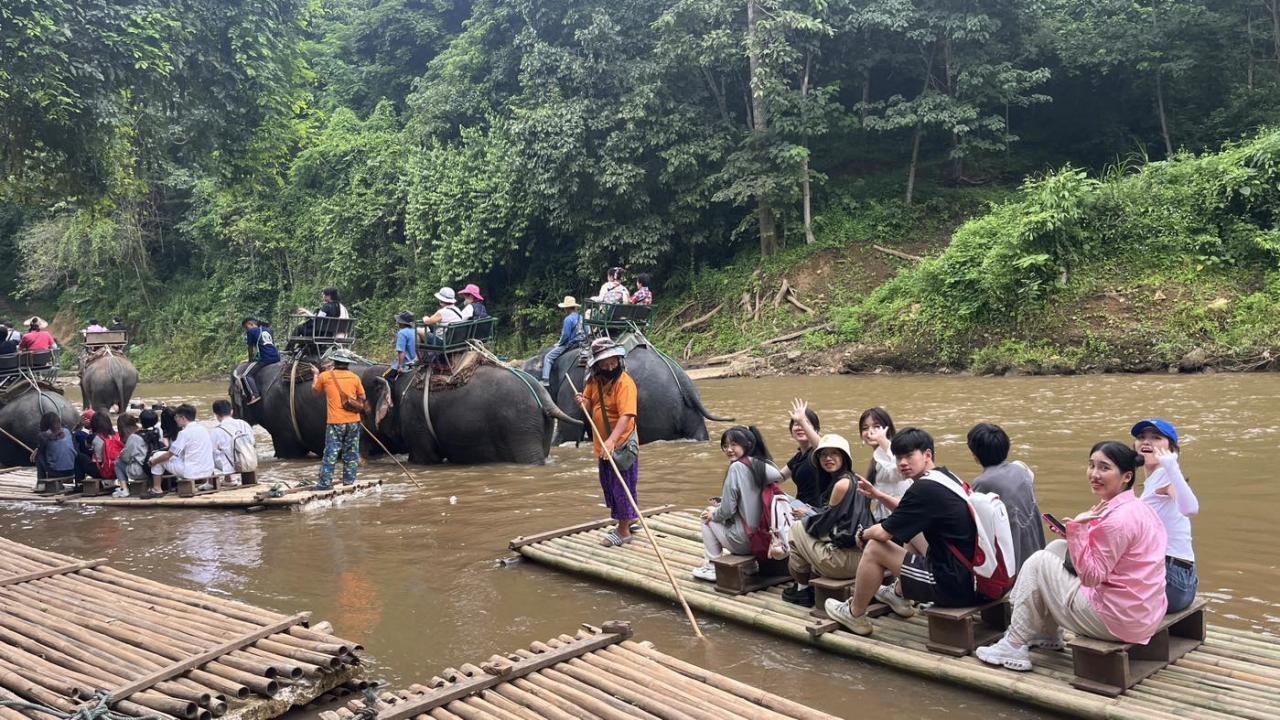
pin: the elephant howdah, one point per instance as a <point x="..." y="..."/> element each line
<point x="670" y="407"/>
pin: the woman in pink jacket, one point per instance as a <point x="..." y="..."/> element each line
<point x="1105" y="581"/>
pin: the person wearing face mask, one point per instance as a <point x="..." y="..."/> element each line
<point x="1166" y="491"/>
<point x="1105" y="581"/>
<point x="930" y="510"/>
<point x="609" y="397"/>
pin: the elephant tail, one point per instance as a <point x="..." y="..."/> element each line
<point x="549" y="406"/>
<point x="687" y="390"/>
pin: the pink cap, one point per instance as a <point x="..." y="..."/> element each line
<point x="473" y="290"/>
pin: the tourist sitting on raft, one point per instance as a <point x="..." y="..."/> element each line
<point x="739" y="507"/>
<point x="82" y="438"/>
<point x="572" y="335"/>
<point x="884" y="484"/>
<point x="55" y="453"/>
<point x="107" y="445"/>
<point x="643" y="295"/>
<point x="801" y="469"/>
<point x="824" y="543"/>
<point x="189" y="457"/>
<point x="929" y="518"/>
<point x="230" y="433"/>
<point x="1013" y="482"/>
<point x="1105" y="581"/>
<point x="131" y="463"/>
<point x="473" y="303"/>
<point x="1166" y="491"/>
<point x="447" y="315"/>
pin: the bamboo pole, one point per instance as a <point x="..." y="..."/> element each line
<point x="643" y="523"/>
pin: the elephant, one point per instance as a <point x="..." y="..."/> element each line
<point x="296" y="432"/>
<point x="500" y="415"/>
<point x="106" y="380"/>
<point x="20" y="419"/>
<point x="669" y="406"/>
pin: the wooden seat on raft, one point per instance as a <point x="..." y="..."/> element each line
<point x="1109" y="668"/>
<point x="608" y="318"/>
<point x="741" y="574"/>
<point x="958" y="631"/>
<point x="92" y="487"/>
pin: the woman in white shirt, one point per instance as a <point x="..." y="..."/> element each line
<point x="1166" y="491"/>
<point x="884" y="484"/>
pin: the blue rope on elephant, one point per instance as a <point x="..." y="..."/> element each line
<point x="524" y="377"/>
<point x="101" y="710"/>
<point x="667" y="360"/>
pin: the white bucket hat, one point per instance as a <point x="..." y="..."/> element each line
<point x="838" y="442"/>
<point x="447" y="296"/>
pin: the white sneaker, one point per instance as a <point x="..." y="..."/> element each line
<point x="1055" y="642"/>
<point x="901" y="606"/>
<point x="1004" y="653"/>
<point x="120" y="493"/>
<point x="706" y="572"/>
<point x="839" y="611"/>
<point x="206" y="486"/>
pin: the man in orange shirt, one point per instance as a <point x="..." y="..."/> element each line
<point x="609" y="397"/>
<point x="344" y="395"/>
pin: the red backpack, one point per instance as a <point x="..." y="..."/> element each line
<point x="762" y="536"/>
<point x="111" y="449"/>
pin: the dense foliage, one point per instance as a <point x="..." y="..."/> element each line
<point x="188" y="162"/>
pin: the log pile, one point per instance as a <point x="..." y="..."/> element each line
<point x="1234" y="674"/>
<point x="599" y="673"/>
<point x="72" y="630"/>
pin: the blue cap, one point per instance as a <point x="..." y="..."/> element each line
<point x="1160" y="426"/>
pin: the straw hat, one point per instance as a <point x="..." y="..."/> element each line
<point x="569" y="302"/>
<point x="36" y="319"/>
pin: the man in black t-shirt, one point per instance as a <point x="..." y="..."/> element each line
<point x="929" y="509"/>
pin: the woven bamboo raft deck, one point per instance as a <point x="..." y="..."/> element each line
<point x="600" y="673"/>
<point x="72" y="629"/>
<point x="1234" y="674"/>
<point x="18" y="485"/>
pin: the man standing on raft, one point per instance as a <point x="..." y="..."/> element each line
<point x="609" y="397"/>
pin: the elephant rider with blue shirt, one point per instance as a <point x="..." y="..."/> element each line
<point x="262" y="352"/>
<point x="406" y="347"/>
<point x="572" y="335"/>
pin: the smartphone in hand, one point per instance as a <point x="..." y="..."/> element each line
<point x="1055" y="524"/>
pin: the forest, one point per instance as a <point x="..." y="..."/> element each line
<point x="186" y="163"/>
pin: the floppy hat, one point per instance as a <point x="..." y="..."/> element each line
<point x="446" y="295"/>
<point x="473" y="290"/>
<point x="405" y="318"/>
<point x="569" y="302"/>
<point x="343" y="355"/>
<point x="1161" y="426"/>
<point x="832" y="440"/>
<point x="605" y="348"/>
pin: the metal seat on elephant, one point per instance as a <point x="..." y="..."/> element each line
<point x="613" y="318"/>
<point x="9" y="364"/>
<point x="455" y="338"/>
<point x="115" y="339"/>
<point x="314" y="336"/>
<point x="39" y="364"/>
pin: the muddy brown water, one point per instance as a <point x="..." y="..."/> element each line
<point x="410" y="572"/>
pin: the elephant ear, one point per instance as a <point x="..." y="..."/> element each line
<point x="383" y="405"/>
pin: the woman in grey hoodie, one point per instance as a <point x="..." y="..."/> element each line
<point x="725" y="522"/>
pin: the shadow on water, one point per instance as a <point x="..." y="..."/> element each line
<point x="410" y="572"/>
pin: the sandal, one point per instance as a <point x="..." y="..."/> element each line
<point x="613" y="539"/>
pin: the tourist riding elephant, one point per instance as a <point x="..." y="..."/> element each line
<point x="498" y="415"/>
<point x="20" y="414"/>
<point x="294" y="432"/>
<point x="107" y="379"/>
<point x="669" y="405"/>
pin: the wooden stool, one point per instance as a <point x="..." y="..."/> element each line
<point x="960" y="631"/>
<point x="1110" y="668"/>
<point x="91" y="487"/>
<point x="741" y="574"/>
<point x="52" y="486"/>
<point x="187" y="487"/>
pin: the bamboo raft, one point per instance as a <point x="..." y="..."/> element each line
<point x="1234" y="674"/>
<point x="599" y="674"/>
<point x="18" y="485"/>
<point x="72" y="630"/>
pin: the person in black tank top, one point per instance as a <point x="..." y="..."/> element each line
<point x="800" y="468"/>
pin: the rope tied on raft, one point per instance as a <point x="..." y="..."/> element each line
<point x="368" y="711"/>
<point x="98" y="709"/>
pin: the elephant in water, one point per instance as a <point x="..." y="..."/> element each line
<point x="107" y="379"/>
<point x="499" y="415"/>
<point x="289" y="410"/>
<point x="669" y="405"/>
<point x="20" y="413"/>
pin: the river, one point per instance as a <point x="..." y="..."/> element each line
<point x="410" y="572"/>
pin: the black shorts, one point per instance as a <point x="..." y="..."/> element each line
<point x="917" y="582"/>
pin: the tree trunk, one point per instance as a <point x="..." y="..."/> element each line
<point x="1274" y="7"/>
<point x="806" y="191"/>
<point x="915" y="156"/>
<point x="1164" y="122"/>
<point x="866" y="98"/>
<point x="760" y="124"/>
